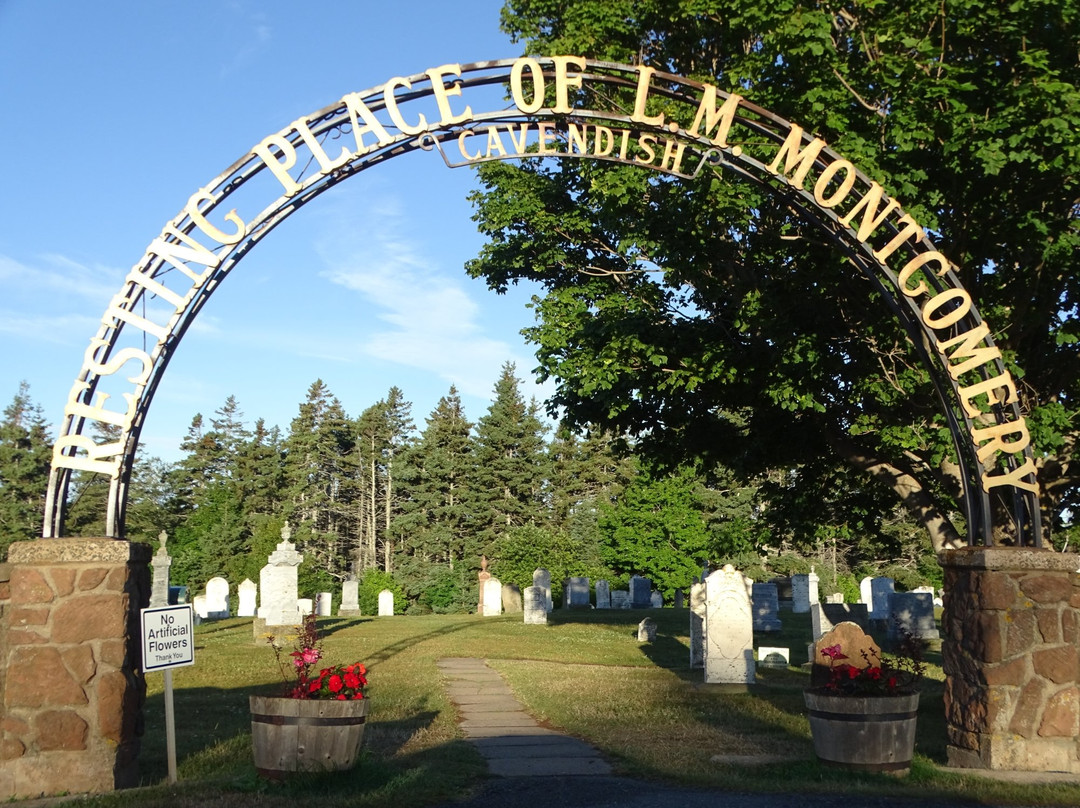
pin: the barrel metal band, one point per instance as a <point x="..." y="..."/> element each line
<point x="862" y="717"/>
<point x="306" y="721"/>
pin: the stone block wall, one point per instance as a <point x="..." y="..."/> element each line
<point x="73" y="690"/>
<point x="1011" y="654"/>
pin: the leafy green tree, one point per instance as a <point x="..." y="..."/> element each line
<point x="708" y="319"/>
<point x="25" y="453"/>
<point x="657" y="529"/>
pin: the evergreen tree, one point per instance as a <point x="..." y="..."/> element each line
<point x="25" y="453"/>
<point x="509" y="471"/>
<point x="320" y="477"/>
<point x="434" y="523"/>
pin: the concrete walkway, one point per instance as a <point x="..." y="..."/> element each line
<point x="511" y="740"/>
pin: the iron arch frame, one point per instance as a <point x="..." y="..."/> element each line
<point x="182" y="268"/>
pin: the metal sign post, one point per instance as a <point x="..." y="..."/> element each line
<point x="168" y="642"/>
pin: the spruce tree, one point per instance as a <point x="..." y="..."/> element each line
<point x="509" y="471"/>
<point x="25" y="452"/>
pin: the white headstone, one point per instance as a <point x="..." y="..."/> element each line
<point x="603" y="595"/>
<point x="324" y="606"/>
<point x="217" y="598"/>
<point x="350" y="598"/>
<point x="159" y="586"/>
<point x="200" y="607"/>
<point x="247" y="596"/>
<point x="800" y="593"/>
<point x="278" y="585"/>
<point x="646" y="630"/>
<point x="697" y="625"/>
<point x="866" y="594"/>
<point x="835" y="597"/>
<point x="492" y="597"/>
<point x="770" y="657"/>
<point x="656" y="600"/>
<point x="542" y="579"/>
<point x="535" y="606"/>
<point x="386" y="603"/>
<point x="729" y="629"/>
<point x="305" y="606"/>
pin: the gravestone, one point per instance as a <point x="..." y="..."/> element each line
<point x="824" y="617"/>
<point x="576" y="593"/>
<point x="278" y="584"/>
<point x="620" y="599"/>
<point x="535" y="606"/>
<point x="305" y="606"/>
<point x="178" y="595"/>
<point x="491" y="597"/>
<point x="697" y="625"/>
<point x="603" y="595"/>
<point x="770" y="657"/>
<point x="511" y="599"/>
<point x="386" y="603"/>
<point x="160" y="563"/>
<point x="640" y="592"/>
<point x="199" y="607"/>
<point x="646" y="630"/>
<point x="783" y="592"/>
<point x="246" y="598"/>
<point x="350" y="598"/>
<point x="482" y="578"/>
<point x="680" y="599"/>
<point x="835" y="597"/>
<point x="729" y="629"/>
<point x="656" y="600"/>
<point x="881" y="589"/>
<point x="542" y="579"/>
<point x="804" y="591"/>
<point x="866" y="592"/>
<point x="857" y="646"/>
<point x="766" y="607"/>
<point x="912" y="612"/>
<point x="324" y="604"/>
<point x="217" y="599"/>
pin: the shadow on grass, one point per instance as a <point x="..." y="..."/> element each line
<point x="213" y="734"/>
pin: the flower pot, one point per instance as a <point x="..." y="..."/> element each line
<point x="863" y="733"/>
<point x="292" y="735"/>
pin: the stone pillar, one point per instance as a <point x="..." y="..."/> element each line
<point x="74" y="689"/>
<point x="1010" y="652"/>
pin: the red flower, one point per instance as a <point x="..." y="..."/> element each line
<point x="351" y="679"/>
<point x="336" y="684"/>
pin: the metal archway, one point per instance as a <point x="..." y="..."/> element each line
<point x="564" y="107"/>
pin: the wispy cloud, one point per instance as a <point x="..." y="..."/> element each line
<point x="61" y="277"/>
<point x="431" y="320"/>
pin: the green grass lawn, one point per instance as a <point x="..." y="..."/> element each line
<point x="585" y="674"/>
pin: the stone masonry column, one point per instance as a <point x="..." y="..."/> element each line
<point x="74" y="690"/>
<point x="1011" y="656"/>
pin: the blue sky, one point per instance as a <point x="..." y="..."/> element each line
<point x="116" y="112"/>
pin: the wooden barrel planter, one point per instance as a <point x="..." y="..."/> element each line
<point x="300" y="735"/>
<point x="863" y="733"/>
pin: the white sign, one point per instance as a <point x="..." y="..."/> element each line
<point x="168" y="637"/>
